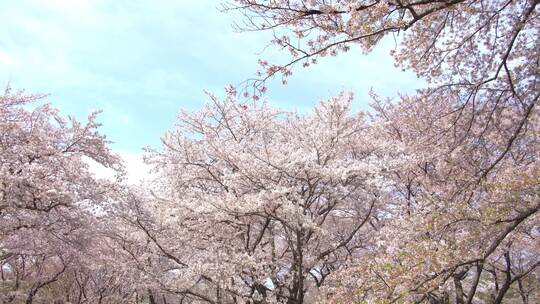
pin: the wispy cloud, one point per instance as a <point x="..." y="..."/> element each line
<point x="136" y="170"/>
<point x="142" y="61"/>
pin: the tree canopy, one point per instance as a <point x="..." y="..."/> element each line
<point x="431" y="197"/>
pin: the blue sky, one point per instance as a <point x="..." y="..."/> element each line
<point x="142" y="61"/>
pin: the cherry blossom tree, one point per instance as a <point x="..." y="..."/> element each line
<point x="256" y="205"/>
<point x="48" y="199"/>
<point x="481" y="48"/>
<point x="465" y="222"/>
<point x="455" y="233"/>
<point x="430" y="198"/>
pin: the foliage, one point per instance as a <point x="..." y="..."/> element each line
<point x="48" y="199"/>
<point x="429" y="198"/>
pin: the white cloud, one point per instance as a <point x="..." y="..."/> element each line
<point x="142" y="61"/>
<point x="6" y="59"/>
<point x="137" y="171"/>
